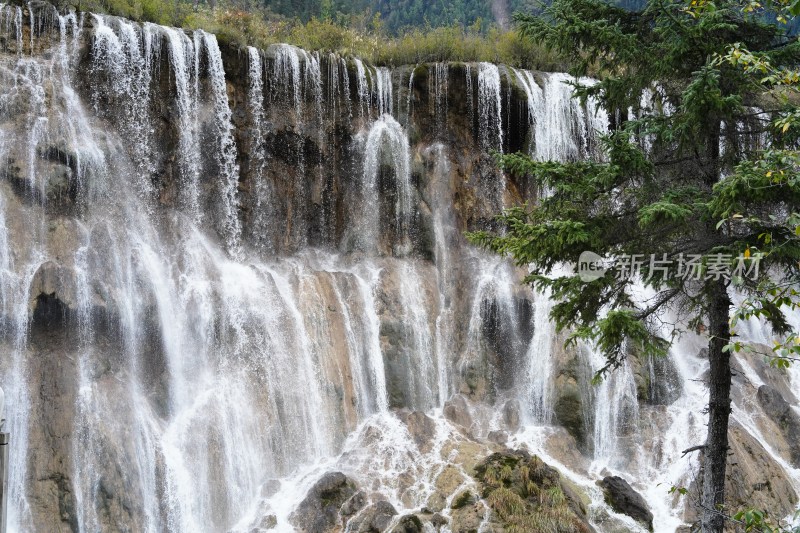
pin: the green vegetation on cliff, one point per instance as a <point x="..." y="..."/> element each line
<point x="528" y="496"/>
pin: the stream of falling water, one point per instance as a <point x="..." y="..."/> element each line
<point x="203" y="372"/>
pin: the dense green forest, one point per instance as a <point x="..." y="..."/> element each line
<point x="399" y="15"/>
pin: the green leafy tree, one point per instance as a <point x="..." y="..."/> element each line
<point x="684" y="182"/>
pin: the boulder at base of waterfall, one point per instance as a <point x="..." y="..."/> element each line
<point x="437" y="521"/>
<point x="408" y="524"/>
<point x="319" y="511"/>
<point x="373" y="519"/>
<point x="525" y="493"/>
<point x="456" y="411"/>
<point x="421" y="427"/>
<point x="354" y="504"/>
<point x="267" y="523"/>
<point x="498" y="437"/>
<point x="511" y="414"/>
<point x="623" y="499"/>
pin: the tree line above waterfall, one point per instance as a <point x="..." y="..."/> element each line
<point x="384" y="32"/>
<point x="363" y="33"/>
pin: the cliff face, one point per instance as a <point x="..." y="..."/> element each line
<point x="217" y="264"/>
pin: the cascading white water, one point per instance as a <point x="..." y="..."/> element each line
<point x="346" y="87"/>
<point x="262" y="230"/>
<point x="12" y="16"/>
<point x="552" y="111"/>
<point x="363" y="88"/>
<point x="539" y="376"/>
<point x="438" y="94"/>
<point x="226" y="151"/>
<point x="184" y="69"/>
<point x="190" y="379"/>
<point x="127" y="60"/>
<point x="383" y="77"/>
<point x="287" y="71"/>
<point x="445" y="234"/>
<point x="387" y="142"/>
<point x="490" y="106"/>
<point x="615" y="406"/>
<point x="410" y="96"/>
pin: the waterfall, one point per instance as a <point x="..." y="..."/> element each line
<point x="334" y="90"/>
<point x="12" y="15"/>
<point x="419" y="339"/>
<point x="470" y="96"/>
<point x="126" y="59"/>
<point x="386" y="141"/>
<point x="410" y="96"/>
<point x="362" y="88"/>
<point x="384" y="81"/>
<point x="226" y="154"/>
<point x="184" y="70"/>
<point x="615" y="406"/>
<point x="262" y="231"/>
<point x="552" y="110"/>
<point x="490" y="124"/>
<point x="176" y="350"/>
<point x="438" y="94"/>
<point x="538" y="383"/>
<point x="287" y="73"/>
<point x="535" y="101"/>
<point x="445" y="234"/>
<point x="346" y="87"/>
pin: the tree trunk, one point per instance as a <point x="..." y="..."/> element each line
<point x="719" y="408"/>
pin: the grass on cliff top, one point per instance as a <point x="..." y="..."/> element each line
<point x="362" y="37"/>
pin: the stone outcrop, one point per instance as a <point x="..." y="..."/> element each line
<point x="782" y="414"/>
<point x="319" y="511"/>
<point x="623" y="499"/>
<point x="408" y="524"/>
<point x="525" y="493"/>
<point x="572" y="394"/>
<point x="374" y="518"/>
<point x="753" y="479"/>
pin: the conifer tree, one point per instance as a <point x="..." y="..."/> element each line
<point x="696" y="192"/>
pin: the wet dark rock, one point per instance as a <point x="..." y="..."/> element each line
<point x="319" y="511"/>
<point x="498" y="437"/>
<point x="463" y="499"/>
<point x="657" y="379"/>
<point x="456" y="410"/>
<point x="511" y="414"/>
<point x="421" y="427"/>
<point x="354" y="504"/>
<point x="373" y="519"/>
<point x="780" y="412"/>
<point x="437" y="520"/>
<point x="267" y="523"/>
<point x="572" y="382"/>
<point x="623" y="499"/>
<point x="270" y="488"/>
<point x="408" y="524"/>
